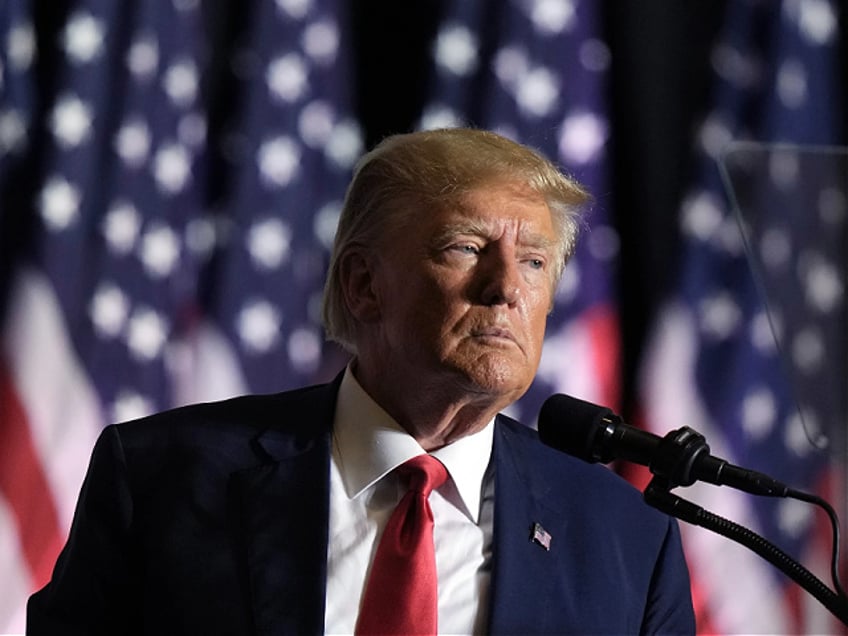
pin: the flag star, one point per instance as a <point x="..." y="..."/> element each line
<point x="269" y="243"/>
<point x="456" y="50"/>
<point x="160" y="250"/>
<point x="801" y="434"/>
<point x="553" y="16"/>
<point x="595" y="55"/>
<point x="321" y="41"/>
<point x="832" y="206"/>
<point x="71" y="121"/>
<point x="121" y="226"/>
<point x="823" y="285"/>
<point x="714" y="136"/>
<point x="763" y="327"/>
<point x="258" y="326"/>
<point x="582" y="137"/>
<point x="438" y="116"/>
<point x="794" y="517"/>
<point x="143" y="57"/>
<point x="816" y="19"/>
<point x="109" y="309"/>
<point x="808" y="351"/>
<point x="180" y="82"/>
<point x="172" y="168"/>
<point x="83" y="37"/>
<point x="13" y="131"/>
<point x="569" y="284"/>
<point x="792" y="84"/>
<point x="20" y="47"/>
<point x="775" y="247"/>
<point x="719" y="316"/>
<point x="326" y="222"/>
<point x="759" y="413"/>
<point x="130" y="405"/>
<point x="132" y="142"/>
<point x="200" y="236"/>
<point x="287" y="77"/>
<point x="60" y="202"/>
<point x="537" y="92"/>
<point x="191" y="129"/>
<point x="279" y="161"/>
<point x="296" y="9"/>
<point x="702" y="216"/>
<point x="147" y="332"/>
<point x="304" y="349"/>
<point x="510" y="65"/>
<point x="315" y="123"/>
<point x="345" y="144"/>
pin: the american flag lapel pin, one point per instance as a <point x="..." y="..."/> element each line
<point x="540" y="536"/>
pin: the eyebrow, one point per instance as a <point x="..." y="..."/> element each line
<point x="479" y="227"/>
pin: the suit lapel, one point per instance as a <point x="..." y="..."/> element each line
<point x="282" y="510"/>
<point x="526" y="592"/>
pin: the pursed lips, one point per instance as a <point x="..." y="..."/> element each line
<point x="494" y="333"/>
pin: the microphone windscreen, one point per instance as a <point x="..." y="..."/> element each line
<point x="570" y="425"/>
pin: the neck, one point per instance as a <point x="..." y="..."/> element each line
<point x="434" y="414"/>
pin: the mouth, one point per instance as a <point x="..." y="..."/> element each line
<point x="494" y="335"/>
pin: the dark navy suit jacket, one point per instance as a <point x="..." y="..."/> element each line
<point x="212" y="519"/>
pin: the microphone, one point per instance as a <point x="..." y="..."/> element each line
<point x="594" y="433"/>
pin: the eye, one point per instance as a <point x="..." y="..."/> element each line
<point x="466" y="248"/>
<point x="537" y="263"/>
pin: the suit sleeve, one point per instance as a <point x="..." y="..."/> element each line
<point x="669" y="607"/>
<point x="92" y="588"/>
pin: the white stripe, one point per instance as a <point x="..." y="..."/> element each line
<point x="16" y="584"/>
<point x="61" y="404"/>
<point x="742" y="590"/>
<point x="567" y="362"/>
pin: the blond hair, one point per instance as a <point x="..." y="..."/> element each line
<point x="409" y="174"/>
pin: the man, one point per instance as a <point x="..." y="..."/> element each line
<point x="263" y="514"/>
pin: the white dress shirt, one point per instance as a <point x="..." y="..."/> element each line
<point x="367" y="445"/>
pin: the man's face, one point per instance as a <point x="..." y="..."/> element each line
<point x="464" y="293"/>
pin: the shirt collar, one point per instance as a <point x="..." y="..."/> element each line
<point x="369" y="444"/>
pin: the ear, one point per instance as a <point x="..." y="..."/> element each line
<point x="357" y="273"/>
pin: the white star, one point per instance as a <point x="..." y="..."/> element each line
<point x="146" y="333"/>
<point x="258" y="326"/>
<point x="130" y="405"/>
<point x="121" y="225"/>
<point x="108" y="309"/>
<point x="269" y="243"/>
<point x="714" y="136"/>
<point x="582" y="137"/>
<point x="719" y="316"/>
<point x="345" y="144"/>
<point x="71" y="121"/>
<point x="143" y="57"/>
<point x="456" y="50"/>
<point x="279" y="161"/>
<point x="13" y="131"/>
<point x="537" y="92"/>
<point x="438" y="116"/>
<point x="759" y="413"/>
<point x="83" y="37"/>
<point x="784" y="168"/>
<point x="822" y="283"/>
<point x="304" y="349"/>
<point x="191" y="129"/>
<point x="315" y="123"/>
<point x="510" y="65"/>
<point x="553" y="16"/>
<point x="792" y="84"/>
<point x="296" y="9"/>
<point x="172" y="168"/>
<point x="808" y="350"/>
<point x="132" y="142"/>
<point x="702" y="216"/>
<point x="60" y="201"/>
<point x="794" y="517"/>
<point x="803" y="434"/>
<point x="321" y="41"/>
<point x="159" y="250"/>
<point x="325" y="223"/>
<point x="200" y="236"/>
<point x="20" y="47"/>
<point x="180" y="82"/>
<point x="832" y="206"/>
<point x="287" y="77"/>
<point x="816" y="19"/>
<point x="775" y="247"/>
<point x="595" y="55"/>
<point x="569" y="284"/>
<point x="763" y="327"/>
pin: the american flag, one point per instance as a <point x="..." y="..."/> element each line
<point x="714" y="362"/>
<point x="537" y="72"/>
<point x="173" y="179"/>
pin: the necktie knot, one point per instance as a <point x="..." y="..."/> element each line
<point x="423" y="474"/>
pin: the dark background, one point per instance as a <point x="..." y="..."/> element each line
<point x="659" y="86"/>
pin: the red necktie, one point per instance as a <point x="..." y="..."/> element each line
<point x="401" y="596"/>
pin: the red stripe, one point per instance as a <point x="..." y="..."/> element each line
<point x="602" y="323"/>
<point x="24" y="486"/>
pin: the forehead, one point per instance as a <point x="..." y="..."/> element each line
<point x="499" y="204"/>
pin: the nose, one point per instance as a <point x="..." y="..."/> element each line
<point x="501" y="282"/>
